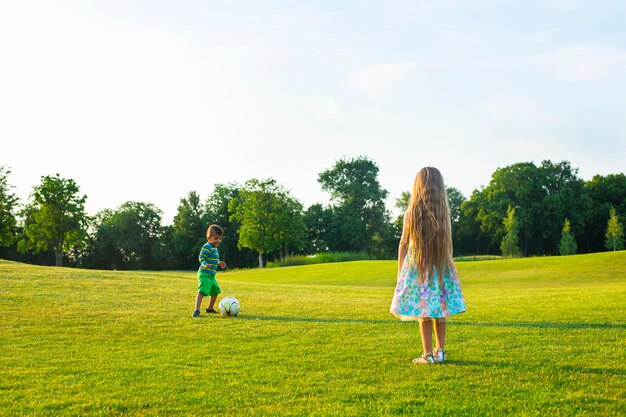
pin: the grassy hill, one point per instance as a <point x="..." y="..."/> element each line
<point x="541" y="336"/>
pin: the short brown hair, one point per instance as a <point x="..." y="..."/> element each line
<point x="214" y="229"/>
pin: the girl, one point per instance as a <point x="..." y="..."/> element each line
<point x="428" y="286"/>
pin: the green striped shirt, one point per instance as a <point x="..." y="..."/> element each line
<point x="209" y="258"/>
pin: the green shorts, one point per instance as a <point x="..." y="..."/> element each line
<point x="207" y="284"/>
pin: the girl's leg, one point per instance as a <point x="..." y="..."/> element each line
<point x="199" y="301"/>
<point x="426" y="330"/>
<point x="440" y="332"/>
<point x="212" y="301"/>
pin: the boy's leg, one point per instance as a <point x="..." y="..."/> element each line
<point x="440" y="332"/>
<point x="426" y="330"/>
<point x="199" y="298"/>
<point x="212" y="301"/>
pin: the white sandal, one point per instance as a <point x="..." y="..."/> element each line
<point x="440" y="355"/>
<point x="425" y="358"/>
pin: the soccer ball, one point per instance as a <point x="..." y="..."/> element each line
<point x="229" y="306"/>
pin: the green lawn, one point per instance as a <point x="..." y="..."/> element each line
<point x="542" y="336"/>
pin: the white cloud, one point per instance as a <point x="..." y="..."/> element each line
<point x="375" y="79"/>
<point x="586" y="62"/>
<point x="327" y="108"/>
<point x="519" y="109"/>
<point x="537" y="37"/>
<point x="531" y="147"/>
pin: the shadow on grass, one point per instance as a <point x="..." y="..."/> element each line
<point x="544" y="325"/>
<point x="316" y="319"/>
<point x="526" y="366"/>
<point x="536" y="325"/>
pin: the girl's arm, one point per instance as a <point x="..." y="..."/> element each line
<point x="401" y="255"/>
<point x="402" y="248"/>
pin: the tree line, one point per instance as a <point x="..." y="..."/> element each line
<point x="526" y="210"/>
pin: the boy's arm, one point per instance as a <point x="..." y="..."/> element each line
<point x="212" y="259"/>
<point x="216" y="255"/>
<point x="204" y="258"/>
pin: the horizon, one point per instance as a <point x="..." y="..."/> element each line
<point x="168" y="221"/>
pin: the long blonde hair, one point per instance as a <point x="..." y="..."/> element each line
<point x="427" y="229"/>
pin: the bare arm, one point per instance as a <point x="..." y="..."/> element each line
<point x="402" y="248"/>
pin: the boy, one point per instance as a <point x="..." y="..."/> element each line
<point x="209" y="260"/>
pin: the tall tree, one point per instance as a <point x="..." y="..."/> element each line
<point x="128" y="238"/>
<point x="605" y="192"/>
<point x="264" y="209"/>
<point x="455" y="201"/>
<point x="359" y="203"/>
<point x="472" y="237"/>
<point x="614" y="232"/>
<point x="401" y="203"/>
<point x="57" y="218"/>
<point x="8" y="204"/>
<point x="217" y="212"/>
<point x="290" y="225"/>
<point x="518" y="185"/>
<point x="510" y="242"/>
<point x="188" y="230"/>
<point x="568" y="245"/>
<point x="543" y="196"/>
<point x="565" y="198"/>
<point x="317" y="220"/>
<point x="216" y="206"/>
<point x="138" y="227"/>
<point x="102" y="251"/>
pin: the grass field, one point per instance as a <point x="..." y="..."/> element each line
<point x="542" y="336"/>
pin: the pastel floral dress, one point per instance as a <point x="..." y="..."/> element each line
<point x="413" y="300"/>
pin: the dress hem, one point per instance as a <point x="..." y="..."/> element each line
<point x="405" y="317"/>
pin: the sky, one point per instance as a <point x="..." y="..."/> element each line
<point x="149" y="100"/>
